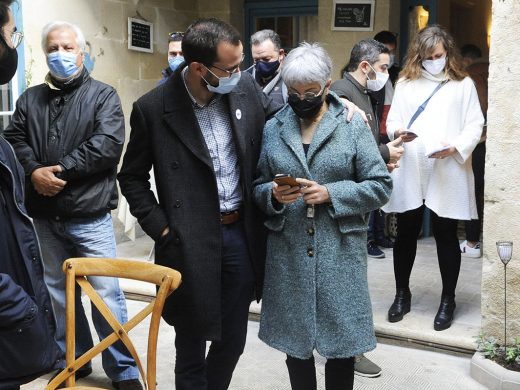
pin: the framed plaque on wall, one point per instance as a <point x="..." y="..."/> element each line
<point x="140" y="35"/>
<point x="353" y="15"/>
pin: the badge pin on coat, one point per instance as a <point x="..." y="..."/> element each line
<point x="238" y="114"/>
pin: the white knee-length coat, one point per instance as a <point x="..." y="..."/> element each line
<point x="452" y="116"/>
<point x="315" y="291"/>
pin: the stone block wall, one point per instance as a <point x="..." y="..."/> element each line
<point x="502" y="199"/>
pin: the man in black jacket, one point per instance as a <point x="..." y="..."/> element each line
<point x="201" y="132"/>
<point x="68" y="135"/>
<point x="366" y="73"/>
<point x="27" y="345"/>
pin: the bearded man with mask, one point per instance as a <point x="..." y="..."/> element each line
<point x="27" y="344"/>
<point x="68" y="135"/>
<point x="268" y="55"/>
<point x="201" y="132"/>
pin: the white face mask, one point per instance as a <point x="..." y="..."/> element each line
<point x="225" y="84"/>
<point x="434" y="66"/>
<point x="379" y="82"/>
<point x="392" y="60"/>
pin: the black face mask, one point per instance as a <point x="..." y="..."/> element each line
<point x="8" y="61"/>
<point x="306" y="108"/>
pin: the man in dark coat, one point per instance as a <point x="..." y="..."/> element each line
<point x="68" y="135"/>
<point x="27" y="345"/>
<point x="201" y="132"/>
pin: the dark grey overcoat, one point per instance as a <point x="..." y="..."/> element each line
<point x="316" y="291"/>
<point x="165" y="135"/>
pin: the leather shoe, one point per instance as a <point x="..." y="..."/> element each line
<point x="80" y="373"/>
<point x="401" y="305"/>
<point x="444" y="315"/>
<point x="129" y="384"/>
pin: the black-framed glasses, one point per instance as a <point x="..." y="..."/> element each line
<point x="307" y="95"/>
<point x="176" y="35"/>
<point x="229" y="72"/>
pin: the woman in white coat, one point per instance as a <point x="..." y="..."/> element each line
<point x="435" y="170"/>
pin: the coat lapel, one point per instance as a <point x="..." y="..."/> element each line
<point x="291" y="135"/>
<point x="180" y="118"/>
<point x="323" y="132"/>
<point x="238" y="115"/>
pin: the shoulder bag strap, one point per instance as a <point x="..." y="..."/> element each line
<point x="423" y="106"/>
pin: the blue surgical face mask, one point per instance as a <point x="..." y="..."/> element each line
<point x="225" y="84"/>
<point x="174" y="62"/>
<point x="62" y="64"/>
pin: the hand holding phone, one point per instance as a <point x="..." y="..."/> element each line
<point x="284" y="179"/>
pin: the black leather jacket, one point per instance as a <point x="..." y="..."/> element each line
<point x="81" y="129"/>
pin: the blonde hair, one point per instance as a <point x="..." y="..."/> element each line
<point x="423" y="46"/>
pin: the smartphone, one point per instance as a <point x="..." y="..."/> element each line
<point x="410" y="134"/>
<point x="284" y="179"/>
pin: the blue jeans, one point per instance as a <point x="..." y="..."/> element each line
<point x="85" y="237"/>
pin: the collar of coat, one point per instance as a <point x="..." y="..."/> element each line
<point x="290" y="133"/>
<point x="179" y="116"/>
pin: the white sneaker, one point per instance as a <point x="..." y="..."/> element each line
<point x="468" y="251"/>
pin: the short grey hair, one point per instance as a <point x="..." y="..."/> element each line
<point x="58" y="25"/>
<point x="308" y="63"/>
<point x="367" y="50"/>
<point x="261" y="36"/>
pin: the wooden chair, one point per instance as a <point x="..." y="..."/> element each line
<point x="77" y="270"/>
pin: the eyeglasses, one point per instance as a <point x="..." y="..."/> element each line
<point x="306" y="96"/>
<point x="176" y="35"/>
<point x="16" y="38"/>
<point x="229" y="72"/>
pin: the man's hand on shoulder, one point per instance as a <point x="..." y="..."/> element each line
<point x="352" y="109"/>
<point x="45" y="181"/>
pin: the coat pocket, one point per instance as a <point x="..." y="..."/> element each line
<point x="275" y="223"/>
<point x="26" y="345"/>
<point x="354" y="223"/>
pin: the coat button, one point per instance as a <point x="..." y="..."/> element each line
<point x="177" y="241"/>
<point x="34" y="258"/>
<point x="310" y="252"/>
<point x="310" y="231"/>
<point x="57" y="218"/>
<point x="175" y="164"/>
<point x="178" y="203"/>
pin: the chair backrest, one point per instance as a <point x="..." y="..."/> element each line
<point x="78" y="270"/>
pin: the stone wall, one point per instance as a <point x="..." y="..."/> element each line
<point x="339" y="43"/>
<point x="502" y="200"/>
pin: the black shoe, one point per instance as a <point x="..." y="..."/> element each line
<point x="385" y="242"/>
<point x="129" y="384"/>
<point x="374" y="251"/>
<point x="81" y="373"/>
<point x="401" y="305"/>
<point x="444" y="315"/>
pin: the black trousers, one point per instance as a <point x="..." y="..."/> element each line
<point x="339" y="373"/>
<point x="474" y="226"/>
<point x="405" y="248"/>
<point x="193" y="369"/>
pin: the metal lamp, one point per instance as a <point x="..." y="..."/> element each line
<point x="505" y="252"/>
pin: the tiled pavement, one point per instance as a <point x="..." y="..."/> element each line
<point x="404" y="367"/>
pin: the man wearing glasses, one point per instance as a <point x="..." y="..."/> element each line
<point x="201" y="132"/>
<point x="175" y="58"/>
<point x="27" y="346"/>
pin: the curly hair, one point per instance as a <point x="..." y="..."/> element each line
<point x="423" y="46"/>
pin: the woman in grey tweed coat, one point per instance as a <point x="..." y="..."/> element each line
<point x="315" y="292"/>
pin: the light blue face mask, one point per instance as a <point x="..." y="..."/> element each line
<point x="225" y="84"/>
<point x="62" y="64"/>
<point x="174" y="62"/>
